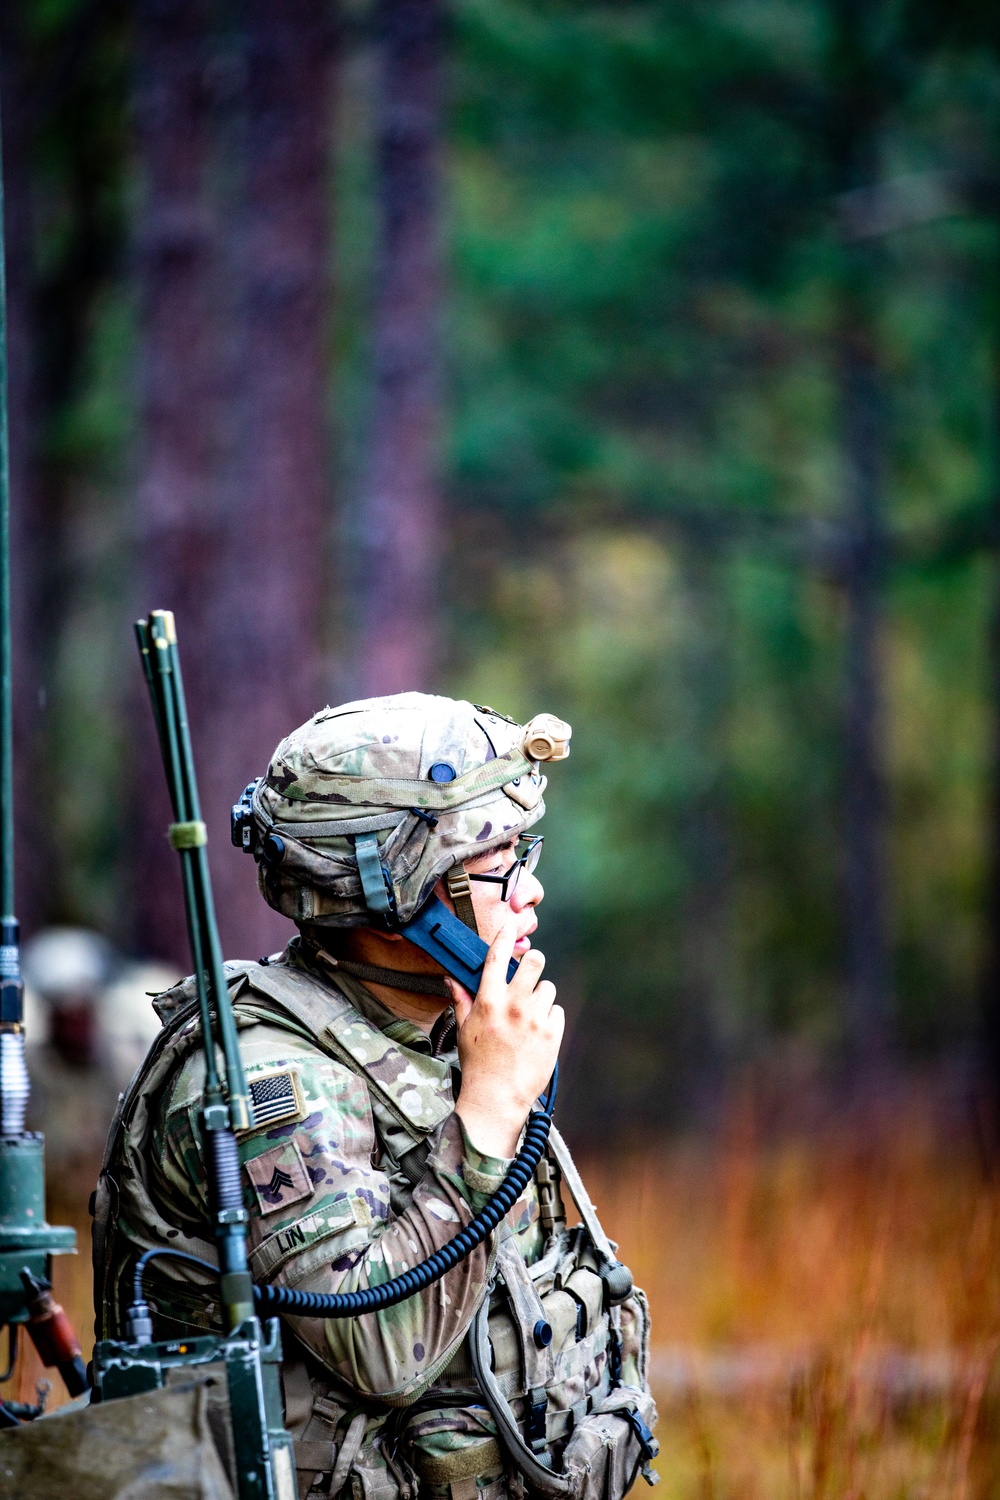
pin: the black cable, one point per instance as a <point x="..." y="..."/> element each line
<point x="272" y="1299"/>
<point x="283" y="1299"/>
<point x="143" y="1262"/>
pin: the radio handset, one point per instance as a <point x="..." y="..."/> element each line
<point x="459" y="951"/>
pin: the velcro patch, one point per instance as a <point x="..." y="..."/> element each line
<point x="279" y="1177"/>
<point x="277" y="1099"/>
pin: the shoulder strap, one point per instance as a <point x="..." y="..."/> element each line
<point x="148" y="1071"/>
<point x="408" y="1083"/>
<point x="153" y="1073"/>
<point x="580" y="1196"/>
<point x="179" y="996"/>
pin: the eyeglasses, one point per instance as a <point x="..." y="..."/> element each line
<point x="526" y="861"/>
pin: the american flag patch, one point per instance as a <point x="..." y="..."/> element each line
<point x="276" y="1099"/>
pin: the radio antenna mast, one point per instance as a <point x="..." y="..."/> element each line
<point x="27" y="1242"/>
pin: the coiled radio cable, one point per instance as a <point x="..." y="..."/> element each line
<point x="289" y="1300"/>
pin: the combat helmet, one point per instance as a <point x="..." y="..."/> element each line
<point x="365" y="807"/>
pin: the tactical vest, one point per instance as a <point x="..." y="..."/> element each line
<point x="511" y="1414"/>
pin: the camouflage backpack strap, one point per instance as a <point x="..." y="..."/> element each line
<point x="178" y="1009"/>
<point x="560" y="1153"/>
<point x="175" y="1007"/>
<point x="105" y="1197"/>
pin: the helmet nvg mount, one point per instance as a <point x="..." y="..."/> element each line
<point x="365" y="807"/>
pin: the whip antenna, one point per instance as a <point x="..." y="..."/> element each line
<point x="14" y="1086"/>
<point x="27" y="1242"/>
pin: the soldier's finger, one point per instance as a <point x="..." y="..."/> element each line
<point x="463" y="1003"/>
<point x="499" y="956"/>
<point x="529" y="972"/>
<point x="458" y="991"/>
<point x="545" y="996"/>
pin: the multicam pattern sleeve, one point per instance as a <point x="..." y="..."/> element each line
<point x="320" y="1213"/>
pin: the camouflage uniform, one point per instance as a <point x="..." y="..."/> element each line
<point x="358" y="1167"/>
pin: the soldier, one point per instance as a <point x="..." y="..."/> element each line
<point x="388" y="1102"/>
<point x="89" y="1026"/>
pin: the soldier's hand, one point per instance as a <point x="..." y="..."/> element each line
<point x="508" y="1042"/>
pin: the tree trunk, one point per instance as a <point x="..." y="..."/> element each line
<point x="399" y="518"/>
<point x="990" y="994"/>
<point x="179" y="518"/>
<point x="868" y="971"/>
<point x="32" y="846"/>
<point x="261" y="675"/>
<point x="705" y="955"/>
<point x="233" y="497"/>
<point x="77" y="99"/>
<point x="856" y="111"/>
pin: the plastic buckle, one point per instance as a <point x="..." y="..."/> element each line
<point x="375" y="882"/>
<point x="647" y="1442"/>
<point x="648" y="1446"/>
<point x="537" y="1404"/>
<point x="615" y="1358"/>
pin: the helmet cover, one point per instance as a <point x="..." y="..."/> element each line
<point x="437" y="780"/>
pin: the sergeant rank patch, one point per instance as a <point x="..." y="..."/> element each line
<point x="276" y="1099"/>
<point x="279" y="1177"/>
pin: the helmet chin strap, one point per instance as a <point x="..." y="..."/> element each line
<point x="460" y="891"/>
<point x="394" y="979"/>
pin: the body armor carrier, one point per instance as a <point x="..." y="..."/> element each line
<point x="547" y="1395"/>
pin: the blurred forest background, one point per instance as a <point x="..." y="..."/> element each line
<point x="636" y="361"/>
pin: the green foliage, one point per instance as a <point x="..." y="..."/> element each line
<point x="645" y="475"/>
<point x="646" y="268"/>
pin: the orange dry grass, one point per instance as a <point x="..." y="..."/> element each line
<point x="810" y="1242"/>
<point x="826" y="1305"/>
